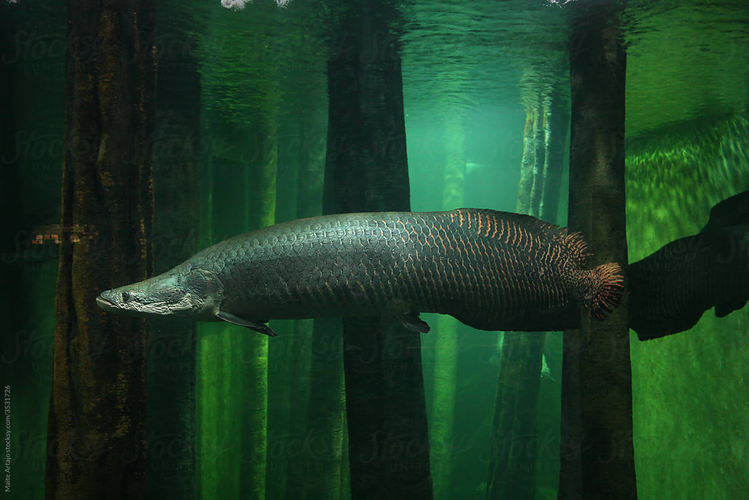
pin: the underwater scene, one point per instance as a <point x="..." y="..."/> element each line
<point x="374" y="249"/>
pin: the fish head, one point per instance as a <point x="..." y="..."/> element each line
<point x="179" y="292"/>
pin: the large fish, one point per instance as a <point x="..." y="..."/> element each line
<point x="491" y="270"/>
<point x="671" y="288"/>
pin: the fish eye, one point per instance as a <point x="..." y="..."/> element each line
<point x="125" y="296"/>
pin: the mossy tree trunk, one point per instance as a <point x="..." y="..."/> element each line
<point x="95" y="428"/>
<point x="512" y="465"/>
<point x="597" y="449"/>
<point x="366" y="170"/>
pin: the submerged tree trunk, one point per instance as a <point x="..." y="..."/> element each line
<point x="253" y="382"/>
<point x="512" y="465"/>
<point x="233" y="365"/>
<point x="233" y="369"/>
<point x="367" y="171"/>
<point x="555" y="139"/>
<point x="309" y="467"/>
<point x="95" y="429"/>
<point x="324" y="433"/>
<point x="597" y="450"/>
<point x="446" y="332"/>
<point x="514" y="452"/>
<point x="321" y="445"/>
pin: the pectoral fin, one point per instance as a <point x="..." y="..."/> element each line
<point x="257" y="326"/>
<point x="412" y="322"/>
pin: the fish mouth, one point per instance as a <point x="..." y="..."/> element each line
<point x="106" y="303"/>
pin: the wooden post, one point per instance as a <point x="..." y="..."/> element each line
<point x="597" y="449"/>
<point x="366" y="170"/>
<point x="95" y="429"/>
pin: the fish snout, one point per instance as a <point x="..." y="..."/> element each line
<point x="106" y="302"/>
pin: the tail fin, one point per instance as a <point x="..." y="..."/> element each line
<point x="603" y="289"/>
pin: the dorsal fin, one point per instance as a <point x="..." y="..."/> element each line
<point x="527" y="221"/>
<point x="576" y="246"/>
<point x="574" y="243"/>
<point x="732" y="211"/>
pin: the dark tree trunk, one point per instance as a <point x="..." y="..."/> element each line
<point x="366" y="170"/>
<point x="512" y="465"/>
<point x="597" y="451"/>
<point x="171" y="349"/>
<point x="386" y="414"/>
<point x="95" y="430"/>
<point x="366" y="164"/>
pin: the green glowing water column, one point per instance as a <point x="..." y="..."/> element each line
<point x="316" y="462"/>
<point x="313" y="356"/>
<point x="241" y="126"/>
<point x="514" y="451"/>
<point x="232" y="361"/>
<point x="95" y="428"/>
<point x="32" y="84"/>
<point x="366" y="170"/>
<point x="689" y="412"/>
<point x="441" y="426"/>
<point x="597" y="450"/>
<point x="322" y="472"/>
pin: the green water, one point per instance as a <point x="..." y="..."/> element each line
<point x="471" y="70"/>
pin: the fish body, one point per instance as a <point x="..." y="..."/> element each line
<point x="672" y="288"/>
<point x="490" y="270"/>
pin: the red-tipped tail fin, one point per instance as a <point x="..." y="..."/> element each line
<point x="604" y="289"/>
